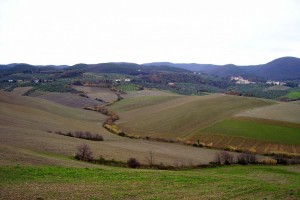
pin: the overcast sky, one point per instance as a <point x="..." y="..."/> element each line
<point x="212" y="31"/>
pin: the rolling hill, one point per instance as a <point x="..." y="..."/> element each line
<point x="206" y="118"/>
<point x="285" y="68"/>
<point x="27" y="126"/>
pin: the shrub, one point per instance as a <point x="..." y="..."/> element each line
<point x="98" y="137"/>
<point x="268" y="161"/>
<point x="224" y="157"/>
<point x="87" y="135"/>
<point x="78" y="134"/>
<point x="133" y="163"/>
<point x="282" y="160"/>
<point x="69" y="134"/>
<point x="84" y="153"/>
<point x="246" y="158"/>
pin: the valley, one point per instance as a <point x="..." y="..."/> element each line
<point x="174" y="123"/>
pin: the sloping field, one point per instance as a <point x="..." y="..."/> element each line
<point x="104" y="94"/>
<point x="258" y="135"/>
<point x="181" y="117"/>
<point x="289" y="112"/>
<point x="71" y="100"/>
<point x="236" y="182"/>
<point x="295" y="102"/>
<point x="293" y="95"/>
<point x="262" y="130"/>
<point x="148" y="92"/>
<point x="21" y="90"/>
<point x="141" y="102"/>
<point x="24" y="126"/>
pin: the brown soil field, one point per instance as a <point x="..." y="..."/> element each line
<point x="283" y="111"/>
<point x="148" y="92"/>
<point x="68" y="99"/>
<point x="104" y="94"/>
<point x="21" y="90"/>
<point x="183" y="117"/>
<point x="24" y="126"/>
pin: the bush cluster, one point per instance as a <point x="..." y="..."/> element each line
<point x="133" y="163"/>
<point x="81" y="134"/>
<point x="246" y="158"/>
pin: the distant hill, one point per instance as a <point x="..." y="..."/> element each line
<point x="281" y="68"/>
<point x="286" y="68"/>
<point x="125" y="68"/>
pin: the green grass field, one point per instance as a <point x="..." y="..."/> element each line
<point x="262" y="130"/>
<point x="235" y="182"/>
<point x="293" y="95"/>
<point x="128" y="87"/>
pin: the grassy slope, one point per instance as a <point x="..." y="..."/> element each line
<point x="293" y="95"/>
<point x="181" y="117"/>
<point x="24" y="122"/>
<point x="262" y="130"/>
<point x="238" y="182"/>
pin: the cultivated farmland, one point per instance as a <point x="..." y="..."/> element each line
<point x="21" y="90"/>
<point x="68" y="99"/>
<point x="289" y="112"/>
<point x="27" y="129"/>
<point x="179" y="117"/>
<point x="104" y="94"/>
<point x="209" y="119"/>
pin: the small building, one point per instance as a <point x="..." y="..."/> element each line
<point x="127" y="80"/>
<point x="275" y="83"/>
<point x="241" y="80"/>
<point x="10" y="81"/>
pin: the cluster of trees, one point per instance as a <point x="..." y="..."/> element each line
<point x="82" y="134"/>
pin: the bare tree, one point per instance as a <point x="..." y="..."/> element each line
<point x="84" y="152"/>
<point x="150" y="158"/>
